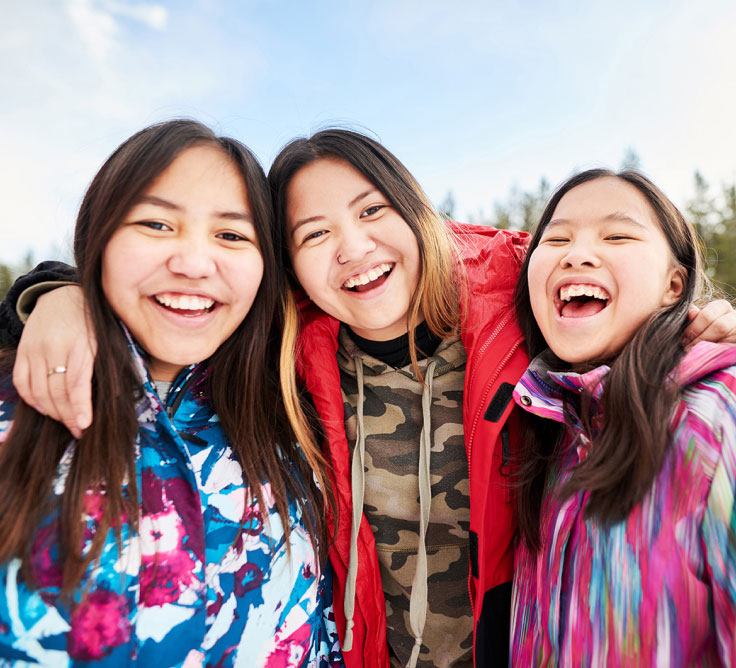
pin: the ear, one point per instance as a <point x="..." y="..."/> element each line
<point x="676" y="285"/>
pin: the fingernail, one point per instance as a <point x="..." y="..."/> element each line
<point x="83" y="420"/>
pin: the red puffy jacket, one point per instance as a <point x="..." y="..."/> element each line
<point x="496" y="360"/>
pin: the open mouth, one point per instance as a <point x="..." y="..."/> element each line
<point x="581" y="301"/>
<point x="188" y="305"/>
<point x="370" y="279"/>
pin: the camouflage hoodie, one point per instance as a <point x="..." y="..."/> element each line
<point x="408" y="425"/>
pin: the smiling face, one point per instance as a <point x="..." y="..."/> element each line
<point x="601" y="268"/>
<point x="353" y="254"/>
<point x="183" y="268"/>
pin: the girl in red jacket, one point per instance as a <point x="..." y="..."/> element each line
<point x="402" y="330"/>
<point x="406" y="341"/>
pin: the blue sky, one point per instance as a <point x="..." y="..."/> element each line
<point x="474" y="97"/>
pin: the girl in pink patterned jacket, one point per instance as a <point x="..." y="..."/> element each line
<point x="626" y="508"/>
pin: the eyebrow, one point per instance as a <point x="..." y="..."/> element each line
<point x="313" y="219"/>
<point x="616" y="216"/>
<point x="171" y="206"/>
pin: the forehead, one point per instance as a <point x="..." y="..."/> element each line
<point x="202" y="167"/>
<point x="324" y="181"/>
<point x="605" y="199"/>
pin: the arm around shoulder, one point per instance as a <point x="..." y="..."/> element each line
<point x="23" y="294"/>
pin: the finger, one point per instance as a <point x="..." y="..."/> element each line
<point x="710" y="333"/>
<point x="79" y="387"/>
<point x="58" y="394"/>
<point x="22" y="379"/>
<point x="692" y="312"/>
<point x="40" y="388"/>
<point x="703" y="319"/>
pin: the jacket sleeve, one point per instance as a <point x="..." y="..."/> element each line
<point x="719" y="531"/>
<point x="11" y="326"/>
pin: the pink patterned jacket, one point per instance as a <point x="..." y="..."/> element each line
<point x="658" y="589"/>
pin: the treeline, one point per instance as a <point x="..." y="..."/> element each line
<point x="8" y="273"/>
<point x="711" y="210"/>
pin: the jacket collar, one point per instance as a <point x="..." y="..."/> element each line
<point x="541" y="390"/>
<point x="150" y="404"/>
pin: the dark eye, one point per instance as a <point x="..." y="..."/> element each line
<point x="314" y="235"/>
<point x="153" y="225"/>
<point x="231" y="236"/>
<point x="618" y="237"/>
<point x="372" y="210"/>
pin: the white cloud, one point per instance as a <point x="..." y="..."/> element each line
<point x="97" y="28"/>
<point x="151" y="15"/>
<point x="82" y="75"/>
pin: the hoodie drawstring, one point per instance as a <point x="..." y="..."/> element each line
<point x="357" y="488"/>
<point x="418" y="600"/>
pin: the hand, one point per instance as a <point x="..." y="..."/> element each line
<point x="716" y="322"/>
<point x="57" y="336"/>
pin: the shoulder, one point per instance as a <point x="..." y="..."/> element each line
<point x="477" y="241"/>
<point x="707" y="375"/>
<point x="706" y="416"/>
<point x="490" y="259"/>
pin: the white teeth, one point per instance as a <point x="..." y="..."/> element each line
<point x="368" y="276"/>
<point x="184" y="302"/>
<point x="567" y="292"/>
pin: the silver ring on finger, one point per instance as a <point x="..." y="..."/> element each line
<point x="56" y="369"/>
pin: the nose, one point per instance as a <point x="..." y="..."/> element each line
<point x="355" y="243"/>
<point x="580" y="254"/>
<point x="191" y="258"/>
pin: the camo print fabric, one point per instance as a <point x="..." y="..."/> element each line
<point x="393" y="423"/>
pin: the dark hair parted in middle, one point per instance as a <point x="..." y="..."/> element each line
<point x="637" y="401"/>
<point x="243" y="384"/>
<point x="436" y="296"/>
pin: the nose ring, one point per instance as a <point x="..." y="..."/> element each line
<point x="340" y="260"/>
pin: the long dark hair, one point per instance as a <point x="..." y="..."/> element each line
<point x="436" y="295"/>
<point x="243" y="383"/>
<point x="637" y="402"/>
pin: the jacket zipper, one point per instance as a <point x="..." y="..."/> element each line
<point x="505" y="455"/>
<point x="490" y="383"/>
<point x="172" y="407"/>
<point x="499" y="368"/>
<point x="481" y="352"/>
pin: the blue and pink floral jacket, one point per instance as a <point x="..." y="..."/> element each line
<point x="187" y="589"/>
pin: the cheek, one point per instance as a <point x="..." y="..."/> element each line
<point x="411" y="256"/>
<point x="245" y="279"/>
<point x="538" y="273"/>
<point x="312" y="269"/>
<point x="116" y="274"/>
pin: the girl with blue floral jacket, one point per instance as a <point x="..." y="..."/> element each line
<point x="183" y="528"/>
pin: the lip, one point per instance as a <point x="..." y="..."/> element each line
<point x="577" y="280"/>
<point x="180" y="320"/>
<point x="363" y="269"/>
<point x="373" y="292"/>
<point x="187" y="293"/>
